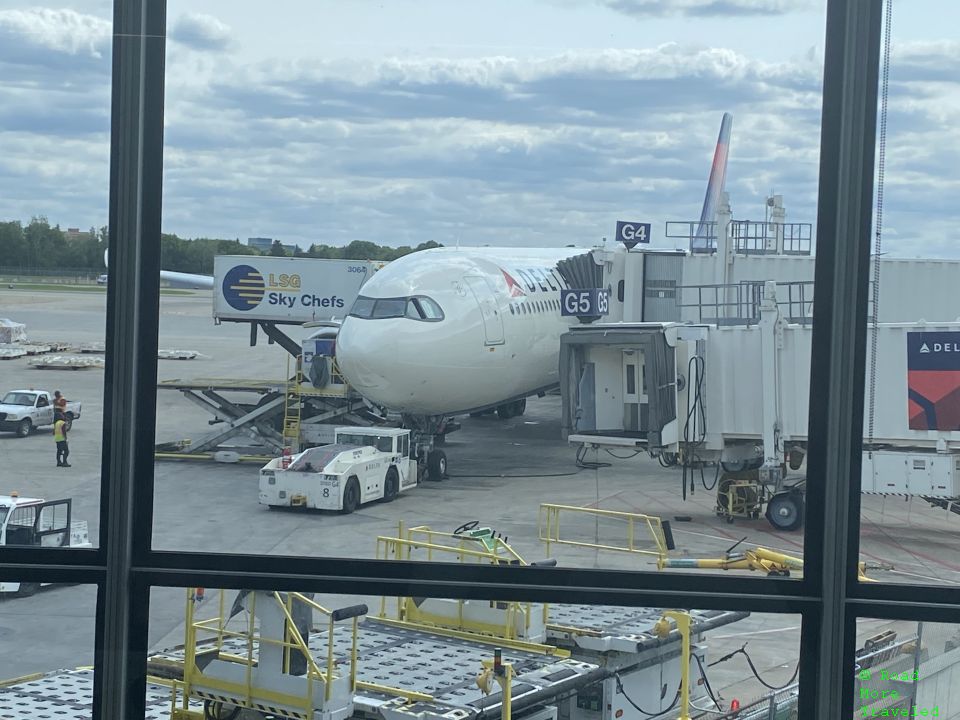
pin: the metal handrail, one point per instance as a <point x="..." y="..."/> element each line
<point x="548" y="529"/>
<point x="292" y="641"/>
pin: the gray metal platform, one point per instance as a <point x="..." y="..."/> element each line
<point x="68" y="695"/>
<point x="441" y="666"/>
<point x="630" y="622"/>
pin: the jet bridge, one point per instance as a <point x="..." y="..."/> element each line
<point x="738" y="395"/>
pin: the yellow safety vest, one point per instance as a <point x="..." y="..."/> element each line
<point x="58" y="433"/>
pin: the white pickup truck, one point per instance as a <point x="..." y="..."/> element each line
<point x="34" y="522"/>
<point x="24" y="410"/>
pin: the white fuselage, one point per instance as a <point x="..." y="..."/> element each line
<point x="498" y="338"/>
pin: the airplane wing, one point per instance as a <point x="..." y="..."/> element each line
<point x="177" y="279"/>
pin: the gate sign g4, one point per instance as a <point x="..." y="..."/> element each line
<point x="631" y="233"/>
<point x="593" y="302"/>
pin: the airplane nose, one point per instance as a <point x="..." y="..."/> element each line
<point x="364" y="356"/>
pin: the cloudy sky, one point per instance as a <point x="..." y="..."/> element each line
<point x="530" y="122"/>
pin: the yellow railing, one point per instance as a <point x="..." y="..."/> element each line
<point x="636" y="526"/>
<point x="423" y="543"/>
<point x="442" y="546"/>
<point x="292" y="406"/>
<point x="242" y="694"/>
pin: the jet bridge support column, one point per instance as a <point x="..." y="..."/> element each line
<point x="771" y="342"/>
<point x="724" y="258"/>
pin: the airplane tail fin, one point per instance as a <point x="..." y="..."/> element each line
<point x="715" y="185"/>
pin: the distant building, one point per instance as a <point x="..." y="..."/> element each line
<point x="72" y="234"/>
<point x="260" y="243"/>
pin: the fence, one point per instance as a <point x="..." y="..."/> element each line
<point x="14" y="274"/>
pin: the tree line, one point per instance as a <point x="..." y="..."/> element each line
<point x="39" y="245"/>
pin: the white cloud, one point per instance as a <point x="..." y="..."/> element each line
<point x="201" y="32"/>
<point x="60" y="31"/>
<point x="491" y="149"/>
<point x="710" y="8"/>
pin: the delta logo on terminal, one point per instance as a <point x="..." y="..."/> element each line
<point x="245" y="288"/>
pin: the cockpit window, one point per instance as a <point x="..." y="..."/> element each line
<point x="417" y="307"/>
<point x="431" y="310"/>
<point x="362" y="307"/>
<point x="390" y="308"/>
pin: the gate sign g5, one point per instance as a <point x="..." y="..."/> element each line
<point x="584" y="303"/>
<point x="631" y="233"/>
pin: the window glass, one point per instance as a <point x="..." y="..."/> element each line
<point x="379" y="131"/>
<point x="910" y="477"/>
<point x="53" y="238"/>
<point x="389" y="308"/>
<point x="414" y="311"/>
<point x="431" y="310"/>
<point x="32" y="616"/>
<point x="409" y="644"/>
<point x="905" y="668"/>
<point x="362" y="307"/>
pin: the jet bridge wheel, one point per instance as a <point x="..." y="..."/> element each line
<point x="785" y="511"/>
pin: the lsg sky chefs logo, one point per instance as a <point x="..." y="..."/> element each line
<point x="245" y="288"/>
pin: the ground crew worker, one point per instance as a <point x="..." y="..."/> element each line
<point x="59" y="403"/>
<point x="60" y="436"/>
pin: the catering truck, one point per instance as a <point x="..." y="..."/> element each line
<point x="22" y="411"/>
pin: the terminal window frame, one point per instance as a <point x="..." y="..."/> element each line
<point x="147" y="566"/>
<point x="413" y="307"/>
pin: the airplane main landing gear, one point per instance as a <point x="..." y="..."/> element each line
<point x="436" y="465"/>
<point x="512" y="409"/>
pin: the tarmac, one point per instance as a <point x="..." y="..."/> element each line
<point x="500" y="474"/>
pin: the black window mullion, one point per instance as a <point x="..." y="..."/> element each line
<point x="844" y="216"/>
<point x="133" y="294"/>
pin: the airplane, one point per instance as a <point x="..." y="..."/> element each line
<point x="449" y="331"/>
<point x="175" y="279"/>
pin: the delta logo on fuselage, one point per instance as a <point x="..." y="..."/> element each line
<point x="245" y="288"/>
<point x="535" y="280"/>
